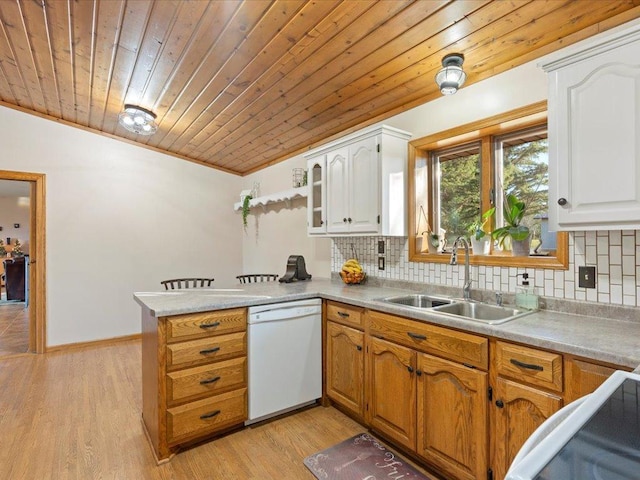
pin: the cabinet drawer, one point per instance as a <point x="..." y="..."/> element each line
<point x="206" y="350"/>
<point x="345" y="314"/>
<point x="530" y="365"/>
<point x="206" y="416"/>
<point x="205" y="324"/>
<point x="450" y="344"/>
<point x="207" y="379"/>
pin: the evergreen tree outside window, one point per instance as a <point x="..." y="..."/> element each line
<point x="522" y="169"/>
<point x="458" y="188"/>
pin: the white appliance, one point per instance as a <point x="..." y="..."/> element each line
<point x="285" y="357"/>
<point x="594" y="438"/>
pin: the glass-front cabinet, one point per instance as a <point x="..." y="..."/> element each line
<point x="316" y="212"/>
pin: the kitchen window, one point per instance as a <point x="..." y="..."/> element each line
<point x="463" y="172"/>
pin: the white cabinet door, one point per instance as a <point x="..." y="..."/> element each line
<point x="338" y="191"/>
<point x="317" y="200"/>
<point x="364" y="186"/>
<point x="594" y="139"/>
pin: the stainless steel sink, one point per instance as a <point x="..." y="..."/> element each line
<point x="417" y="300"/>
<point x="483" y="312"/>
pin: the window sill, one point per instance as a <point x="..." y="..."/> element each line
<point x="558" y="260"/>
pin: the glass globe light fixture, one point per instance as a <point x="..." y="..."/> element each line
<point x="138" y="120"/>
<point x="451" y="77"/>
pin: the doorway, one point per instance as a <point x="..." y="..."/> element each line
<point x="35" y="280"/>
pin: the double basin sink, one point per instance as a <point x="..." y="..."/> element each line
<point x="465" y="309"/>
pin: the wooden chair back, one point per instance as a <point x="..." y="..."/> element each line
<point x="257" y="277"/>
<point x="182" y="283"/>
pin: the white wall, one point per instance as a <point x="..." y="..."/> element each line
<point x="120" y="218"/>
<point x="279" y="231"/>
<point x="15" y="210"/>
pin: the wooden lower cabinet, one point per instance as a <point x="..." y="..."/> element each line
<point x="391" y="393"/>
<point x="519" y="410"/>
<point x="452" y="417"/>
<point x="432" y="406"/>
<point x="463" y="403"/>
<point x="583" y="377"/>
<point x="345" y="367"/>
<point x="194" y="377"/>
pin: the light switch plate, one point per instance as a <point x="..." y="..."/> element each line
<point x="380" y="263"/>
<point x="381" y="247"/>
<point x="587" y="277"/>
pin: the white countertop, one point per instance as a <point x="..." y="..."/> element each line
<point x="599" y="338"/>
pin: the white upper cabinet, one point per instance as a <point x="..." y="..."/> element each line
<point x="364" y="185"/>
<point x="594" y="136"/>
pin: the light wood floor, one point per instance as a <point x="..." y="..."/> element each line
<point x="14" y="328"/>
<point x="76" y="415"/>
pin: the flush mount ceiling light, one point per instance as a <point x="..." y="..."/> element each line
<point x="138" y="120"/>
<point x="451" y="77"/>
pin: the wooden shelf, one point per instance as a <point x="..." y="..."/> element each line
<point x="285" y="196"/>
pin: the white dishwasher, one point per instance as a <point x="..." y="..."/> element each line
<point x="285" y="357"/>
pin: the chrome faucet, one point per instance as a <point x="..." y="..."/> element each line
<point x="466" y="289"/>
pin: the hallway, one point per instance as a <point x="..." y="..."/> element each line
<point x="14" y="328"/>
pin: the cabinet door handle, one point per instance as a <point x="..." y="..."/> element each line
<point x="344" y="219"/>
<point x="209" y="350"/>
<point x="210" y="325"/>
<point x="209" y="380"/>
<point x="209" y="415"/>
<point x="359" y="347"/>
<point x="410" y="368"/>
<point x="419" y="373"/>
<point x="528" y="366"/>
<point x="321" y="222"/>
<point x="343" y="314"/>
<point x="349" y="219"/>
<point x="417" y="336"/>
<point x="499" y="404"/>
<point x="562" y="201"/>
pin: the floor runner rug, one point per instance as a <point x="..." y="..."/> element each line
<point x="361" y="457"/>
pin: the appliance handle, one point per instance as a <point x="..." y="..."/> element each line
<point x="284" y="313"/>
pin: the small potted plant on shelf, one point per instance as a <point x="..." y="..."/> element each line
<point x="3" y="251"/>
<point x="480" y="238"/>
<point x="519" y="235"/>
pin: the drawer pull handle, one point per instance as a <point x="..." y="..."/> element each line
<point x="499" y="404"/>
<point x="210" y="325"/>
<point x="359" y="347"/>
<point x="209" y="380"/>
<point x="410" y="368"/>
<point x="529" y="366"/>
<point x="209" y="350"/>
<point x="417" y="336"/>
<point x="209" y="415"/>
<point x="343" y="314"/>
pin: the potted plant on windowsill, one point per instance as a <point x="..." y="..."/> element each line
<point x="513" y="212"/>
<point x="480" y="238"/>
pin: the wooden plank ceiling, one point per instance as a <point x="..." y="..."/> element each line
<point x="241" y="84"/>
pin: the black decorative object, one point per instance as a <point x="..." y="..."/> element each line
<point x="296" y="270"/>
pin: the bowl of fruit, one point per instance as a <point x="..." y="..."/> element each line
<point x="352" y="272"/>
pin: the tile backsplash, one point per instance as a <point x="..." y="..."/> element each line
<point x="615" y="254"/>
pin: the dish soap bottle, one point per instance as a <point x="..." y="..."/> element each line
<point x="525" y="295"/>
